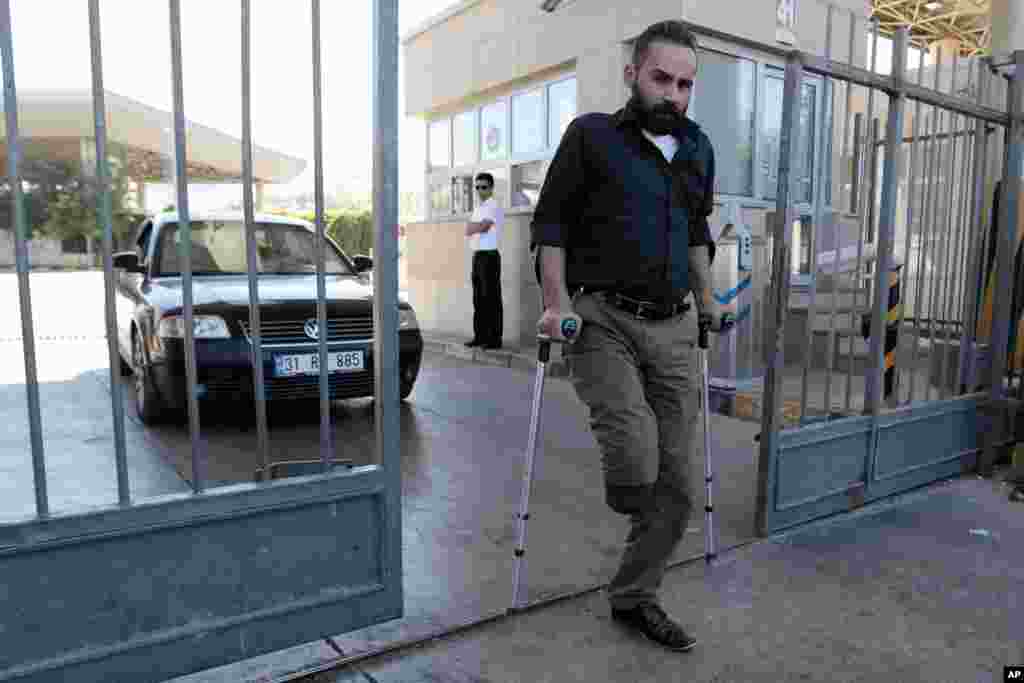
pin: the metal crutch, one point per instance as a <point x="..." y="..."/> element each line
<point x="569" y="328"/>
<point x="703" y="327"/>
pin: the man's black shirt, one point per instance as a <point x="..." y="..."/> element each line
<point x="624" y="215"/>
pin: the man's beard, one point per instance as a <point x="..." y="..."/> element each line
<point x="660" y="119"/>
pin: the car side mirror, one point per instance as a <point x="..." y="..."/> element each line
<point x="127" y="261"/>
<point x="362" y="263"/>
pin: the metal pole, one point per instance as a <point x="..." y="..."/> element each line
<point x="385" y="276"/>
<point x="941" y="253"/>
<point x="929" y="213"/>
<point x="185" y="231"/>
<point x="948" y="253"/>
<point x="105" y="218"/>
<point x="326" y="445"/>
<point x="252" y="261"/>
<point x="915" y="146"/>
<point x="962" y="243"/>
<point x="1009" y="207"/>
<point x="831" y="347"/>
<point x="967" y="352"/>
<point x="886" y="223"/>
<point x="774" y="328"/>
<point x="21" y="238"/>
<point x="864" y="198"/>
<point x="819" y="201"/>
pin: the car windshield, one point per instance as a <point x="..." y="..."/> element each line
<point x="218" y="248"/>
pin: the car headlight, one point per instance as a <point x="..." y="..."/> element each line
<point x="407" y="319"/>
<point x="203" y="327"/>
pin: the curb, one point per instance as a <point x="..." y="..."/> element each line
<point x="524" y="359"/>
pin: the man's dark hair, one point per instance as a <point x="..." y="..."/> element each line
<point x="486" y="176"/>
<point x="670" y="31"/>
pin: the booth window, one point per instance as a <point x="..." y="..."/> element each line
<point x="512" y="137"/>
<point x="464" y="137"/>
<point x="723" y="105"/>
<point x="494" y="131"/>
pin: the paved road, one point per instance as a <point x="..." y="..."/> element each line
<point x="463" y="436"/>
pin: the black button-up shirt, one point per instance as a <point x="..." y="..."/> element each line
<point x="625" y="216"/>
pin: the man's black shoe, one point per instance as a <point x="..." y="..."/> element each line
<point x="650" y="620"/>
<point x="471" y="343"/>
<point x="491" y="347"/>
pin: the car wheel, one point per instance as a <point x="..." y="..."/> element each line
<point x="148" y="403"/>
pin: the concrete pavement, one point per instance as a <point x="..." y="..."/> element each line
<point x="928" y="588"/>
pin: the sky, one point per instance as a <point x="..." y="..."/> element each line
<point x="51" y="50"/>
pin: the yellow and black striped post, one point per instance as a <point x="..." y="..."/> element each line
<point x="892" y="330"/>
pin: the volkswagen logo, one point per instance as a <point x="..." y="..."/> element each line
<point x="312" y="329"/>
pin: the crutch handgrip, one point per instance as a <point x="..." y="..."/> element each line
<point x="568" y="331"/>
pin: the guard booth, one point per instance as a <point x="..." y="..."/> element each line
<point x="146" y="590"/>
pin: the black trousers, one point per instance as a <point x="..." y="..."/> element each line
<point x="488" y="315"/>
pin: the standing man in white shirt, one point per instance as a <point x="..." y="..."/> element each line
<point x="484" y="233"/>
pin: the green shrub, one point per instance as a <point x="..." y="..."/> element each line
<point x="353" y="231"/>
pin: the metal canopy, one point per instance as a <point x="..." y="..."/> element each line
<point x="928" y="21"/>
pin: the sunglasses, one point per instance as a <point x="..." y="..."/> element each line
<point x="483" y="187"/>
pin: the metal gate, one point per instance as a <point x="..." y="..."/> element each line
<point x="892" y="377"/>
<point x="152" y="589"/>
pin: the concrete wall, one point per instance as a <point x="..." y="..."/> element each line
<point x="437" y="268"/>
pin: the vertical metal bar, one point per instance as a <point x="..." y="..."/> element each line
<point x="858" y="280"/>
<point x="385" y="274"/>
<point x="775" y="322"/>
<point x="912" y="175"/>
<point x="858" y="159"/>
<point x="886" y="224"/>
<point x="1009" y="207"/>
<point x="831" y="346"/>
<point x="948" y="251"/>
<point x="942" y="249"/>
<point x="252" y="262"/>
<point x="937" y="197"/>
<point x="975" y="269"/>
<point x="963" y="239"/>
<point x="21" y="238"/>
<point x="326" y="446"/>
<point x="929" y="209"/>
<point x="185" y="231"/>
<point x="105" y="219"/>
<point x="819" y="202"/>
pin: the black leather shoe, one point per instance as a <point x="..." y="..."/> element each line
<point x="650" y="620"/>
<point x="471" y="343"/>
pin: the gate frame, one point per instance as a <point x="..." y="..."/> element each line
<point x="853" y="445"/>
<point x="186" y="582"/>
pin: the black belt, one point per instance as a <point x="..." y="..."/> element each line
<point x="639" y="308"/>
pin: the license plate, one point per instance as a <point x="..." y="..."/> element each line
<point x="290" y="365"/>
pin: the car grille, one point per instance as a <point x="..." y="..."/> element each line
<point x="293" y="331"/>
<point x="348" y="385"/>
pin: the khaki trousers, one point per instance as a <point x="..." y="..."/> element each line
<point x="639" y="380"/>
